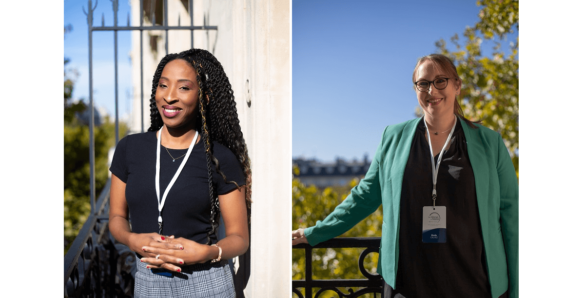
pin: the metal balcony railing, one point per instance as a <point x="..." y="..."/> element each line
<point x="373" y="283"/>
<point x="96" y="265"/>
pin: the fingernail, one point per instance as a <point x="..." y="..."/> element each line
<point x="141" y="260"/>
<point x="181" y="262"/>
<point x="178" y="270"/>
<point x="147" y="267"/>
<point x="143" y="249"/>
<point x="181" y="247"/>
<point x="162" y="237"/>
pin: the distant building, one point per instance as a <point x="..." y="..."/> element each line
<point x="322" y="174"/>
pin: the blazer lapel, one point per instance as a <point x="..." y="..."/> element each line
<point x="479" y="164"/>
<point x="400" y="159"/>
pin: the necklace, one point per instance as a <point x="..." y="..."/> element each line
<point x="172" y="156"/>
<point x="437" y="133"/>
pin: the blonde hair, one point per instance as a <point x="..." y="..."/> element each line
<point x="445" y="64"/>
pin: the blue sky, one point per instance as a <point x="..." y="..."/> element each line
<point x="352" y="68"/>
<point x="76" y="49"/>
<point x="351" y="65"/>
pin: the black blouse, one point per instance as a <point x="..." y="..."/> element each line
<point x="456" y="268"/>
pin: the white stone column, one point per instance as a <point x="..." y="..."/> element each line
<point x="262" y="69"/>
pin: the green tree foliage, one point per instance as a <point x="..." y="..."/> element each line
<point x="490" y="84"/>
<point x="76" y="180"/>
<point x="76" y="154"/>
<point x="310" y="204"/>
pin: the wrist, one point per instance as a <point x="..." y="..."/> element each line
<point x="119" y="229"/>
<point x="130" y="240"/>
<point x="216" y="253"/>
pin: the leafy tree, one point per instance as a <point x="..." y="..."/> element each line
<point x="311" y="204"/>
<point x="490" y="84"/>
<point x="76" y="154"/>
<point x="76" y="180"/>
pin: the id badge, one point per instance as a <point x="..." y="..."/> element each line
<point x="434" y="224"/>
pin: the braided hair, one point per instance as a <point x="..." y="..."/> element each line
<point x="217" y="121"/>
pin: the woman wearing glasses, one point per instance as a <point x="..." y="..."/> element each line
<point x="427" y="172"/>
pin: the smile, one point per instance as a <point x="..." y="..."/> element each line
<point x="434" y="101"/>
<point x="171" y="112"/>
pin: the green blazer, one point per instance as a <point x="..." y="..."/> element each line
<point x="496" y="186"/>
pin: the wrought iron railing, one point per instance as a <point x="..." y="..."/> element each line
<point x="96" y="265"/>
<point x="373" y="283"/>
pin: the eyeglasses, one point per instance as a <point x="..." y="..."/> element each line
<point x="439" y="83"/>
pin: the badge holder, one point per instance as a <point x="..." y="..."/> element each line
<point x="434" y="219"/>
<point x="434" y="223"/>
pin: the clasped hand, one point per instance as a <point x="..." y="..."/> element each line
<point x="172" y="252"/>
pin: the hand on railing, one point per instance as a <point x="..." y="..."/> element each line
<point x="298" y="237"/>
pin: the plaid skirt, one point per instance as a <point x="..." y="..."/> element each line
<point x="199" y="280"/>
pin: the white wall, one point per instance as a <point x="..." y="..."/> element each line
<point x="262" y="56"/>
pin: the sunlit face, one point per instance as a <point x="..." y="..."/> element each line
<point x="436" y="102"/>
<point x="177" y="94"/>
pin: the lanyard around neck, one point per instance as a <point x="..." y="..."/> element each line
<point x="157" y="176"/>
<point x="436" y="168"/>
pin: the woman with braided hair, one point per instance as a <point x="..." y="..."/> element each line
<point x="175" y="180"/>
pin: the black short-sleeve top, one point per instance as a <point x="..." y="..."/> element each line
<point x="187" y="209"/>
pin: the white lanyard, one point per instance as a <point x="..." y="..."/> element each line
<point x="436" y="169"/>
<point x="157" y="176"/>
